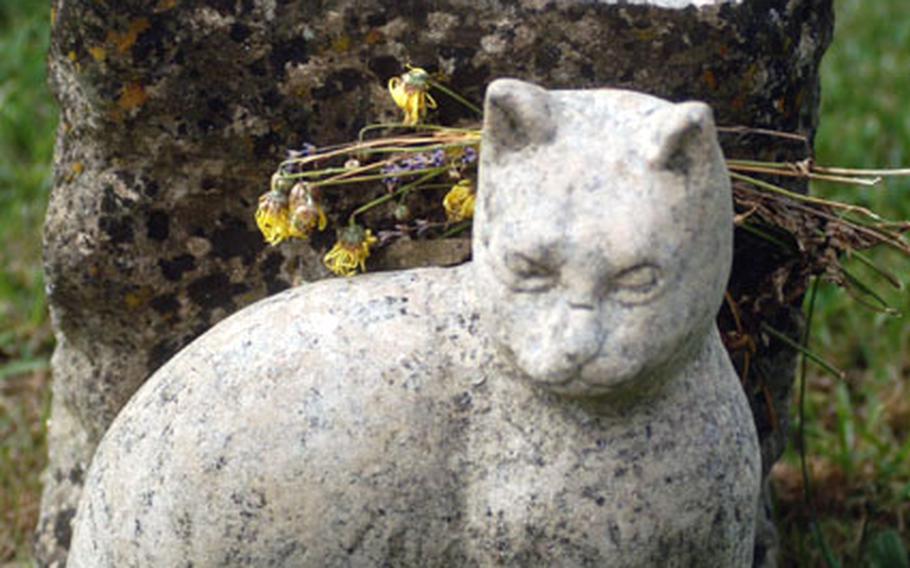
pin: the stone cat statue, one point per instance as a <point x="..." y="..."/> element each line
<point x="562" y="400"/>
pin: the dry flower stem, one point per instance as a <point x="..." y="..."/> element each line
<point x="806" y="198"/>
<point x="407" y="141"/>
<point x="877" y="232"/>
<point x="764" y="131"/>
<point x="862" y="172"/>
<point x="733" y="166"/>
<point x="430" y="174"/>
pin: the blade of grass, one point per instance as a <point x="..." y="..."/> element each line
<point x="815" y="358"/>
<point x="21" y="367"/>
<point x="846" y="429"/>
<point x="801" y="433"/>
<point x="457" y="97"/>
<point x="892" y="279"/>
<point x="858" y="285"/>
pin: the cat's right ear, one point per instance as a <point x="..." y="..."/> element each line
<point x="681" y="133"/>
<point x="516" y="114"/>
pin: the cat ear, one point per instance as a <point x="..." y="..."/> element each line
<point x="516" y="114"/>
<point x="682" y="131"/>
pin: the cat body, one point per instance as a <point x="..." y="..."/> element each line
<point x="564" y="399"/>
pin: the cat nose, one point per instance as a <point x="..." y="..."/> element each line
<point x="581" y="334"/>
<point x="581" y="354"/>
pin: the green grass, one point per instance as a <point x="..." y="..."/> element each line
<point x="858" y="430"/>
<point x="27" y="121"/>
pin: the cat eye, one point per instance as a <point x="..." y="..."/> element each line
<point x="636" y="285"/>
<point x="527" y="274"/>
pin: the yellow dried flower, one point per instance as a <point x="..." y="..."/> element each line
<point x="410" y="94"/>
<point x="459" y="201"/>
<point x="351" y="251"/>
<point x="273" y="217"/>
<point x="306" y="213"/>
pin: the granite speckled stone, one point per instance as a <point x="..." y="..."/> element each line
<point x="563" y="399"/>
<point x="173" y="115"/>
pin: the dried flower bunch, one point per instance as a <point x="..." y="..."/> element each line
<point x="425" y="157"/>
<point x="817" y="233"/>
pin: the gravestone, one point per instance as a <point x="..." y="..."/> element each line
<point x="563" y="399"/>
<point x="173" y="115"/>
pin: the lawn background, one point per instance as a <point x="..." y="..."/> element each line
<point x="857" y="430"/>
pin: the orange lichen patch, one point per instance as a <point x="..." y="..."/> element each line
<point x="132" y="96"/>
<point x="750" y="76"/>
<point x="72" y="56"/>
<point x="375" y="36"/>
<point x="648" y="34"/>
<point x="124" y="41"/>
<point x="341" y="44"/>
<point x="165" y="5"/>
<point x="137" y="299"/>
<point x="710" y="79"/>
<point x="75" y="171"/>
<point x="98" y="53"/>
<point x="302" y="92"/>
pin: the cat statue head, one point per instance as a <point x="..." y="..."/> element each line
<point x="603" y="234"/>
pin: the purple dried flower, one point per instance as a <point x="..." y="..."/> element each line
<point x="415" y="162"/>
<point x="438" y="158"/>
<point x="292" y="168"/>
<point x="391" y="181"/>
<point x="306" y="150"/>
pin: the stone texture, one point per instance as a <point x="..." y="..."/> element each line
<point x="174" y="114"/>
<point x="562" y="399"/>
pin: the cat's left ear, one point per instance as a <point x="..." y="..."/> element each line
<point x="516" y="115"/>
<point x="682" y="132"/>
